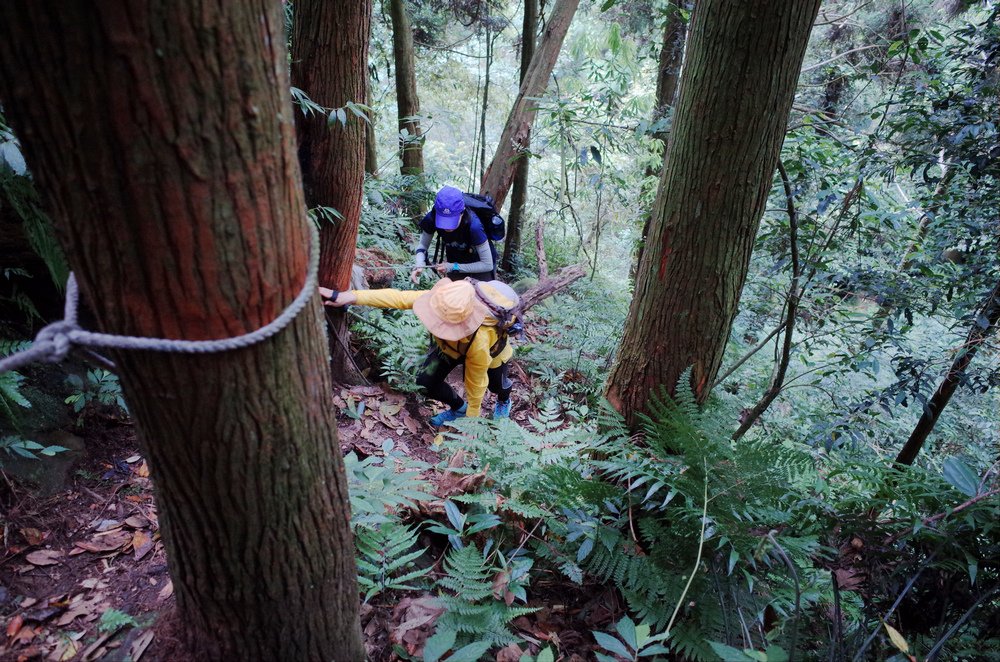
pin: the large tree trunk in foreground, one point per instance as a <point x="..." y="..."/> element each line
<point x="519" y="192"/>
<point x="514" y="139"/>
<point x="983" y="326"/>
<point x="161" y="133"/>
<point x="407" y="102"/>
<point x="737" y="88"/>
<point x="330" y="63"/>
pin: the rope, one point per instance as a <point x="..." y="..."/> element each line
<point x="54" y="341"/>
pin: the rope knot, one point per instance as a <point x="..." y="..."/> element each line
<point x="56" y="339"/>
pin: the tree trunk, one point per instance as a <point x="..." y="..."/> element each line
<point x="161" y="133"/>
<point x="407" y="103"/>
<point x="738" y="84"/>
<point x="514" y="139"/>
<point x="983" y="326"/>
<point x="330" y="63"/>
<point x="371" y="139"/>
<point x="668" y="73"/>
<point x="519" y="192"/>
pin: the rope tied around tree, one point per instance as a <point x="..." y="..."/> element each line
<point x="55" y="341"/>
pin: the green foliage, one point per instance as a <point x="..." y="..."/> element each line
<point x="113" y="620"/>
<point x="99" y="387"/>
<point x="18" y="190"/>
<point x="632" y="643"/>
<point x="474" y="612"/>
<point x="381" y="485"/>
<point x="386" y="559"/>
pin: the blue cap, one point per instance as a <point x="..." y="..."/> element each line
<point x="448" y="207"/>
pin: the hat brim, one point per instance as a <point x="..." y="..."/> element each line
<point x="443" y="329"/>
<point x="447" y="221"/>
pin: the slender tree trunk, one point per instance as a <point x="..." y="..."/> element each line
<point x="519" y="192"/>
<point x="330" y="63"/>
<point x="371" y="138"/>
<point x="514" y="139"/>
<point x="161" y="133"/>
<point x="407" y="103"/>
<point x="739" y="80"/>
<point x="983" y="326"/>
<point x="791" y="311"/>
<point x="486" y="104"/>
<point x="668" y="72"/>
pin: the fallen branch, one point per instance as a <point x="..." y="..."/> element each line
<point x="549" y="286"/>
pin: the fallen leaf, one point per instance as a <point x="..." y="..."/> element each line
<point x="87" y="609"/>
<point x="94" y="583"/>
<point x="34" y="536"/>
<point x="413" y="622"/>
<point x="140" y="645"/>
<point x="143" y="470"/>
<point x="67" y="651"/>
<point x="137" y="522"/>
<point x="510" y="653"/>
<point x="106" y="525"/>
<point x="410" y="423"/>
<point x="101" y="544"/>
<point x="14" y="625"/>
<point x="28" y="602"/>
<point x="896" y="638"/>
<point x="369" y="391"/>
<point x="142" y="542"/>
<point x="166" y="591"/>
<point x="388" y="410"/>
<point x="500" y="583"/>
<point x="44" y="557"/>
<point x="25" y="635"/>
<point x="132" y="459"/>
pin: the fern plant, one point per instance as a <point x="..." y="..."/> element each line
<point x="473" y="611"/>
<point x="387" y="559"/>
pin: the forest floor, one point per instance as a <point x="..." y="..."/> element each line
<point x="83" y="573"/>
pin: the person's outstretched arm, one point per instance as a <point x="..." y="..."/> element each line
<point x="420" y="257"/>
<point x="387" y="298"/>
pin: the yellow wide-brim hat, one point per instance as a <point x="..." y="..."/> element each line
<point x="450" y="310"/>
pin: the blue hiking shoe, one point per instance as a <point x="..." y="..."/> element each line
<point x="502" y="410"/>
<point x="449" y="415"/>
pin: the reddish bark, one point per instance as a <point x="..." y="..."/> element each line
<point x="330" y="64"/>
<point x="739" y="80"/>
<point x="161" y="133"/>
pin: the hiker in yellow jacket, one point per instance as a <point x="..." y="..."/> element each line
<point x="464" y="319"/>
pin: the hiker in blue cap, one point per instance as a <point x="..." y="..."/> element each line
<point x="468" y="252"/>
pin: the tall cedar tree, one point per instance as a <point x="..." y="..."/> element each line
<point x="161" y="133"/>
<point x="739" y="79"/>
<point x="514" y="139"/>
<point x="519" y="190"/>
<point x="407" y="102"/>
<point x="330" y="63"/>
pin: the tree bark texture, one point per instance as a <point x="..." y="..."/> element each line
<point x="407" y="102"/>
<point x="330" y="63"/>
<point x="983" y="326"/>
<point x="738" y="84"/>
<point x="514" y="139"/>
<point x="519" y="190"/>
<point x="161" y="133"/>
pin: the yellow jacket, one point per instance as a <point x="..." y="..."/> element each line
<point x="476" y="352"/>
